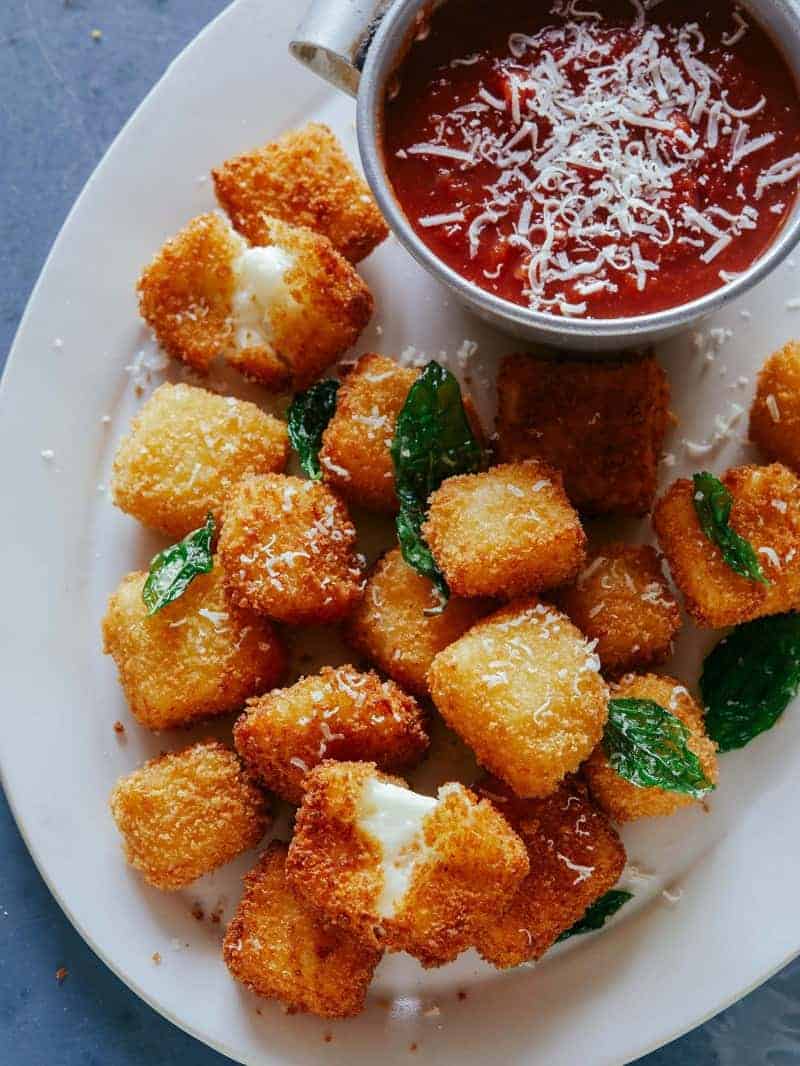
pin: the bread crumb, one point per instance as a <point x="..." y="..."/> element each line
<point x="197" y="912"/>
<point x="61" y="974"/>
<point x="156" y="957"/>
<point x="96" y="35"/>
<point x="119" y="728"/>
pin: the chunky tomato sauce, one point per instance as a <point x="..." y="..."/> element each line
<point x="594" y="159"/>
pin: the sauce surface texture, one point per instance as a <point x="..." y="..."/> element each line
<point x="594" y="160"/>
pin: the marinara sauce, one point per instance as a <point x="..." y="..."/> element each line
<point x="594" y="159"/>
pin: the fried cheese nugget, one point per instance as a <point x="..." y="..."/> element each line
<point x="622" y="601"/>
<point x="287" y="549"/>
<point x="600" y="423"/>
<point x="279" y="947"/>
<point x="403" y="871"/>
<point x="505" y="532"/>
<point x="197" y="657"/>
<point x="522" y="688"/>
<point x="766" y="512"/>
<point x="184" y="814"/>
<point x="339" y="713"/>
<point x="575" y="857"/>
<point x="775" y="412"/>
<point x="391" y="628"/>
<point x="304" y="178"/>
<point x="186" y="449"/>
<point x="282" y="311"/>
<point x="622" y="800"/>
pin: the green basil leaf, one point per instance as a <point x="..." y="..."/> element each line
<point x="598" y="914"/>
<point x="176" y="567"/>
<point x="308" y="417"/>
<point x="713" y="503"/>
<point x="432" y="441"/>
<point x="749" y="679"/>
<point x="648" y="746"/>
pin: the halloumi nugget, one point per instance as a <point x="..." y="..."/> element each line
<point x="279" y="947"/>
<point x="523" y="689"/>
<point x="403" y="871"/>
<point x="184" y="814"/>
<point x="775" y="412"/>
<point x="339" y="713"/>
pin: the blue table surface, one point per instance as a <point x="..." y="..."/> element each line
<point x="64" y="93"/>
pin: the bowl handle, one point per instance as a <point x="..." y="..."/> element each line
<point x="334" y="37"/>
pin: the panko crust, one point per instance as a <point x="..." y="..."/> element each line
<point x="620" y="799"/>
<point x="601" y="423"/>
<point x="522" y="688"/>
<point x="622" y="601"/>
<point x="775" y="411"/>
<point x="184" y="814"/>
<point x="304" y="178"/>
<point x="506" y="532"/>
<point x="185" y="450"/>
<point x="279" y="947"/>
<point x="766" y="512"/>
<point x="339" y="713"/>
<point x="390" y="627"/>
<point x="575" y="856"/>
<point x="287" y="550"/>
<point x="197" y="657"/>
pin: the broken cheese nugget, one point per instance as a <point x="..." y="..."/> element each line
<point x="403" y="871"/>
<point x="775" y="412"/>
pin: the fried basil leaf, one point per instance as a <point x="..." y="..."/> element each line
<point x="749" y="679"/>
<point x="308" y="417"/>
<point x="176" y="567"/>
<point x="648" y="747"/>
<point x="713" y="503"/>
<point x="598" y="914"/>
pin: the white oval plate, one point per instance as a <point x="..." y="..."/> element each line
<point x="661" y="968"/>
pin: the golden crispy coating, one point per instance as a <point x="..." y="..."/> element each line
<point x="601" y="423"/>
<point x="458" y="866"/>
<point x="185" y="450"/>
<point x="390" y="627"/>
<point x="575" y="857"/>
<point x="766" y="512"/>
<point x="506" y="532"/>
<point x="197" y="657"/>
<point x="304" y="178"/>
<point x="337" y="714"/>
<point x="523" y="689"/>
<point x="287" y="549"/>
<point x="775" y="413"/>
<point x="184" y="814"/>
<point x="624" y="801"/>
<point x="355" y="447"/>
<point x="622" y="601"/>
<point x="279" y="947"/>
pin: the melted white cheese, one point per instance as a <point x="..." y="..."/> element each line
<point x="260" y="285"/>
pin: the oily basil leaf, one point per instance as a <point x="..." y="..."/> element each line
<point x="176" y="567"/>
<point x="648" y="747"/>
<point x="432" y="441"/>
<point x="308" y="416"/>
<point x="749" y="679"/>
<point x="713" y="503"/>
<point x="598" y="914"/>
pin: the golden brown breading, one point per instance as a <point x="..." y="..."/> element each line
<point x="624" y="801"/>
<point x="622" y="601"/>
<point x="523" y="689"/>
<point x="766" y="512"/>
<point x="601" y="423"/>
<point x="304" y="178"/>
<point x="197" y="657"/>
<point x="287" y="549"/>
<point x="185" y="450"/>
<point x="355" y="447"/>
<point x="279" y="947"/>
<point x="184" y="814"/>
<point x="458" y="866"/>
<point x="390" y="627"/>
<point x="775" y="413"/>
<point x="506" y="532"/>
<point x="337" y="714"/>
<point x="575" y="857"/>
